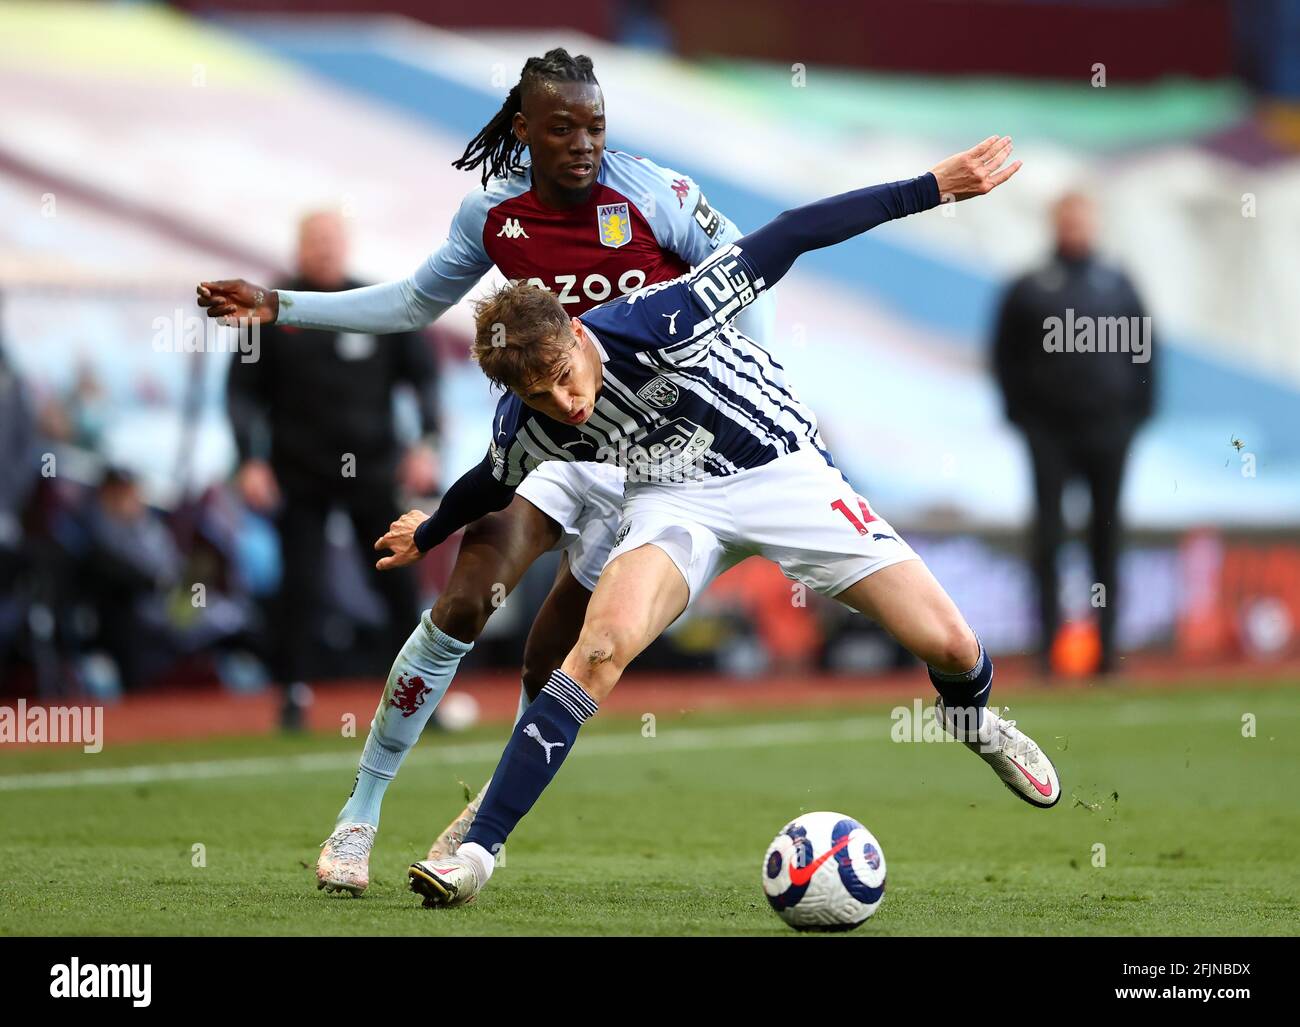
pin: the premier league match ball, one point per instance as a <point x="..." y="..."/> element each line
<point x="824" y="872"/>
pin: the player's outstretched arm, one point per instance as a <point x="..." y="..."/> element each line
<point x="772" y="249"/>
<point x="384" y="309"/>
<point x="475" y="494"/>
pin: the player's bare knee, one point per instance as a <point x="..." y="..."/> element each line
<point x="462" y="612"/>
<point x="598" y="653"/>
<point x="955" y="649"/>
<point x="600" y="647"/>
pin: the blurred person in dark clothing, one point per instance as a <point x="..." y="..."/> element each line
<point x="1072" y="354"/>
<point x="19" y="469"/>
<point x="130" y="564"/>
<point x="18" y="474"/>
<point x="310" y="420"/>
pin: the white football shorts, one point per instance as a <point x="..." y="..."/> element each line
<point x="585" y="500"/>
<point x="797" y="511"/>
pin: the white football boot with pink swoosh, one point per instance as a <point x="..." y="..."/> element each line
<point x="450" y="881"/>
<point x="1014" y="756"/>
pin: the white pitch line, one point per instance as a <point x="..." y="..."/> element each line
<point x="671" y="739"/>
<point x="1135" y="714"/>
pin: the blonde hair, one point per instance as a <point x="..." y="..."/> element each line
<point x="520" y="333"/>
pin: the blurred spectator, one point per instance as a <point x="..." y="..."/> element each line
<point x="1077" y="403"/>
<point x="131" y="603"/>
<point x="89" y="409"/>
<point x="17" y="478"/>
<point x="131" y="563"/>
<point x="312" y="419"/>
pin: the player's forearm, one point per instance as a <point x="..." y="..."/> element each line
<point x="774" y="247"/>
<point x="475" y="494"/>
<point x="377" y="309"/>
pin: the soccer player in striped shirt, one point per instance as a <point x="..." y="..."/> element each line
<point x="589" y="224"/>
<point x="723" y="460"/>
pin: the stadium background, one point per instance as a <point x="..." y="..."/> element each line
<point x="143" y="148"/>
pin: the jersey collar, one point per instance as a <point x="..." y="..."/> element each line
<point x="595" y="341"/>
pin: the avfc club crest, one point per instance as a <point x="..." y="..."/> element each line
<point x="659" y="392"/>
<point x="614" y="224"/>
<point x="408" y="696"/>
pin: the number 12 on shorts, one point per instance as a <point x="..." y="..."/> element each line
<point x="867" y="515"/>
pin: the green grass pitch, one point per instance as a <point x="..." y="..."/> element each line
<point x="665" y="834"/>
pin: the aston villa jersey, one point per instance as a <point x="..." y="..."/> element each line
<point x="642" y="224"/>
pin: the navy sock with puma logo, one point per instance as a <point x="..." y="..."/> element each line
<point x="542" y="737"/>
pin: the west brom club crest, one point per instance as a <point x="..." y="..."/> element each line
<point x="614" y="223"/>
<point x="659" y="393"/>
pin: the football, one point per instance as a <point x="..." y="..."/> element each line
<point x="824" y="872"/>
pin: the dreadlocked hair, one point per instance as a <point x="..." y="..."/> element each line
<point x="495" y="148"/>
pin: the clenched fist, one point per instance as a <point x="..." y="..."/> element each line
<point x="233" y="299"/>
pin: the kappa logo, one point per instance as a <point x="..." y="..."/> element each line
<point x="614" y="224"/>
<point x="672" y="321"/>
<point x="512" y="230"/>
<point x="659" y="392"/>
<point x="682" y="187"/>
<point x="408" y="696"/>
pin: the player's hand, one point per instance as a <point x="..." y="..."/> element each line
<point x="400" y="538"/>
<point x="257" y="485"/>
<point x="976" y="171"/>
<point x="234" y="299"/>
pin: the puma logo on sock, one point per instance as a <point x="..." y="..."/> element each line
<point x="531" y="731"/>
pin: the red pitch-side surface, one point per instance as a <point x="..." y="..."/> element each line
<point x="210" y="712"/>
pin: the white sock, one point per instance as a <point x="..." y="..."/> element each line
<point x="484" y="862"/>
<point x="417" y="681"/>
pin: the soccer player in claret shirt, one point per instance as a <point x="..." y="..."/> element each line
<point x="722" y="461"/>
<point x="589" y="224"/>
